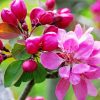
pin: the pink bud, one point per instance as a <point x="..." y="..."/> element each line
<point x="1" y="45"/>
<point x="33" y="45"/>
<point x="51" y="28"/>
<point x="8" y="17"/>
<point x="29" y="66"/>
<point x="35" y="13"/>
<point x="63" y="10"/>
<point x="19" y="9"/>
<point x="38" y="98"/>
<point x="65" y="20"/>
<point x="46" y="18"/>
<point x="29" y="98"/>
<point x="49" y="41"/>
<point x="50" y="4"/>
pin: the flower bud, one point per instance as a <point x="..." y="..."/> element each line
<point x="33" y="45"/>
<point x="29" y="65"/>
<point x="51" y="28"/>
<point x="46" y="18"/>
<point x="8" y="17"/>
<point x="65" y="20"/>
<point x="1" y="45"/>
<point x="25" y="27"/>
<point x="35" y="13"/>
<point x="50" y="4"/>
<point x="38" y="98"/>
<point x="63" y="10"/>
<point x="19" y="9"/>
<point x="49" y="41"/>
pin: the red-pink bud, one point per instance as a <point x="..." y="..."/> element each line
<point x="51" y="28"/>
<point x="63" y="10"/>
<point x="1" y="45"/>
<point x="46" y="18"/>
<point x="49" y="41"/>
<point x="65" y="20"/>
<point x="8" y="17"/>
<point x="29" y="98"/>
<point x="18" y="7"/>
<point x="50" y="4"/>
<point x="38" y="98"/>
<point x="36" y="13"/>
<point x="29" y="65"/>
<point x="33" y="45"/>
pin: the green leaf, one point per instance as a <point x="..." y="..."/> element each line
<point x="24" y="78"/>
<point x="19" y="52"/>
<point x="13" y="72"/>
<point x="40" y="74"/>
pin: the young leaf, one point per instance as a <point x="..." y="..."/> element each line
<point x="13" y="72"/>
<point x="19" y="52"/>
<point x="40" y="74"/>
<point x="8" y="31"/>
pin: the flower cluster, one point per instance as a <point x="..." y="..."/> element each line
<point x="74" y="55"/>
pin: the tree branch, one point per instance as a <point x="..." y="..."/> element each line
<point x="27" y="90"/>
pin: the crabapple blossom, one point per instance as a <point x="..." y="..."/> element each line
<point x="8" y="17"/>
<point x="1" y="45"/>
<point x="29" y="98"/>
<point x="19" y="9"/>
<point x="78" y="61"/>
<point x="29" y="65"/>
<point x="38" y="98"/>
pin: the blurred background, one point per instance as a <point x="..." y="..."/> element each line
<point x="84" y="15"/>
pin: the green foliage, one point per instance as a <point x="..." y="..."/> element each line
<point x="13" y="72"/>
<point x="19" y="52"/>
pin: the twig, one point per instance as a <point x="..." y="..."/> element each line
<point x="27" y="90"/>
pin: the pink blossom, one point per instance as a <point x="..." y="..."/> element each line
<point x="75" y="59"/>
<point x="18" y="7"/>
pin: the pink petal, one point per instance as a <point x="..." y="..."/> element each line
<point x="94" y="61"/>
<point x="62" y="88"/>
<point x="70" y="45"/>
<point x="88" y="31"/>
<point x="64" y="72"/>
<point x="80" y="90"/>
<point x="50" y="60"/>
<point x="74" y="79"/>
<point x="92" y="91"/>
<point x="78" y="30"/>
<point x="85" y="47"/>
<point x="80" y="68"/>
<point x="93" y="74"/>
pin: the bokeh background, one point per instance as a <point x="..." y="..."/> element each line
<point x="83" y="15"/>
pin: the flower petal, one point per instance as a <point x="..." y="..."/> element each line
<point x="80" y="68"/>
<point x="62" y="88"/>
<point x="78" y="30"/>
<point x="80" y="90"/>
<point x="74" y="78"/>
<point x="69" y="47"/>
<point x="93" y="74"/>
<point x="92" y="91"/>
<point x="85" y="47"/>
<point x="50" y="60"/>
<point x="64" y="72"/>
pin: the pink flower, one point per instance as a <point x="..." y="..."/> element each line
<point x="38" y="98"/>
<point x="8" y="17"/>
<point x="75" y="59"/>
<point x="18" y="7"/>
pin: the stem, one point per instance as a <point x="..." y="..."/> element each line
<point x="27" y="90"/>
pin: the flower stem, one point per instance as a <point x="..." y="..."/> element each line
<point x="27" y="90"/>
